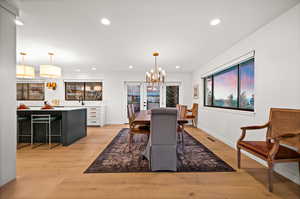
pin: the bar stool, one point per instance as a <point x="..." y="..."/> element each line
<point x="20" y="120"/>
<point x="45" y="119"/>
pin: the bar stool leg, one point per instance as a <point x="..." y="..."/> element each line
<point x="18" y="134"/>
<point x="31" y="135"/>
<point x="60" y="132"/>
<point x="49" y="134"/>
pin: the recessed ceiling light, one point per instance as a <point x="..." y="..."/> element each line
<point x="19" y="22"/>
<point x="215" y="22"/>
<point x="105" y="21"/>
<point x="177" y="67"/>
<point x="94" y="68"/>
<point x="130" y="67"/>
<point x="77" y="70"/>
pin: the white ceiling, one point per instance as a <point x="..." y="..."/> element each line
<point x="178" y="29"/>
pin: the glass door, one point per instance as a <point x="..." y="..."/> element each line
<point x="172" y="95"/>
<point x="144" y="96"/>
<point x="152" y="97"/>
<point x="134" y="95"/>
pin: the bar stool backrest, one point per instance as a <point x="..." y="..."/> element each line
<point x="40" y="118"/>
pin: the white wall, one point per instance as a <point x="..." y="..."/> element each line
<point x="277" y="82"/>
<point x="8" y="98"/>
<point x="113" y="91"/>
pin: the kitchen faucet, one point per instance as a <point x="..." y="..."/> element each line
<point x="80" y="99"/>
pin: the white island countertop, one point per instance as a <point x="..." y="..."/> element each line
<point x="54" y="109"/>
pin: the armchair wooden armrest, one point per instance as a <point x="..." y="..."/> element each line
<point x="256" y="127"/>
<point x="287" y="135"/>
<point x="245" y="128"/>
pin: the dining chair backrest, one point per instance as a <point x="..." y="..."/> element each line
<point x="163" y="139"/>
<point x="183" y="111"/>
<point x="130" y="113"/>
<point x="284" y="121"/>
<point x="163" y="126"/>
<point x="195" y="109"/>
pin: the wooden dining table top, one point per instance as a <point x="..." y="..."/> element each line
<point x="144" y="117"/>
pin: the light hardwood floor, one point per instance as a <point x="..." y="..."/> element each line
<point x="58" y="173"/>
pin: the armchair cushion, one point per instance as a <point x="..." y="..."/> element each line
<point x="190" y="116"/>
<point x="263" y="148"/>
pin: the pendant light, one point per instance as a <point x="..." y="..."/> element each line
<point x="50" y="70"/>
<point x="24" y="71"/>
<point x="156" y="75"/>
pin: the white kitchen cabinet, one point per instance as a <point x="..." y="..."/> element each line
<point x="95" y="115"/>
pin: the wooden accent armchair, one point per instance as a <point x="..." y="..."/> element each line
<point x="194" y="114"/>
<point x="283" y="128"/>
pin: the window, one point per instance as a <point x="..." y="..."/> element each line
<point x="208" y="91"/>
<point x="247" y="85"/>
<point x="31" y="91"/>
<point x="172" y="96"/>
<point x="226" y="88"/>
<point x="87" y="91"/>
<point x="232" y="88"/>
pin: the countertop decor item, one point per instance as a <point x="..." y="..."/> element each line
<point x="24" y="71"/>
<point x="156" y="75"/>
<point x="51" y="85"/>
<point x="47" y="106"/>
<point x="50" y="70"/>
<point x="22" y="106"/>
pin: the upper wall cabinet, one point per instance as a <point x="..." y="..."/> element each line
<point x="86" y="91"/>
<point x="31" y="91"/>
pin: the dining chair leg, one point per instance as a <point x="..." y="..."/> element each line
<point x="182" y="139"/>
<point x="182" y="142"/>
<point x="239" y="158"/>
<point x="299" y="167"/>
<point x="130" y="142"/>
<point x="270" y="177"/>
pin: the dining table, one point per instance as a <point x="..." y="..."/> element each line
<point x="144" y="118"/>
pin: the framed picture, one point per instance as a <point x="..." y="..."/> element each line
<point x="196" y="91"/>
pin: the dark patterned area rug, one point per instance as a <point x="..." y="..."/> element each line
<point x="116" y="158"/>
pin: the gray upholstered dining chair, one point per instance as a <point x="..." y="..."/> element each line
<point x="163" y="139"/>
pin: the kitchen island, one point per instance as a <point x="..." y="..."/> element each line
<point x="73" y="124"/>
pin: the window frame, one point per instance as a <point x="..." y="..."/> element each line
<point x="23" y="90"/>
<point x="84" y="91"/>
<point x="238" y="66"/>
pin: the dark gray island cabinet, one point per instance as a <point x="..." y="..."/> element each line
<point x="71" y="121"/>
